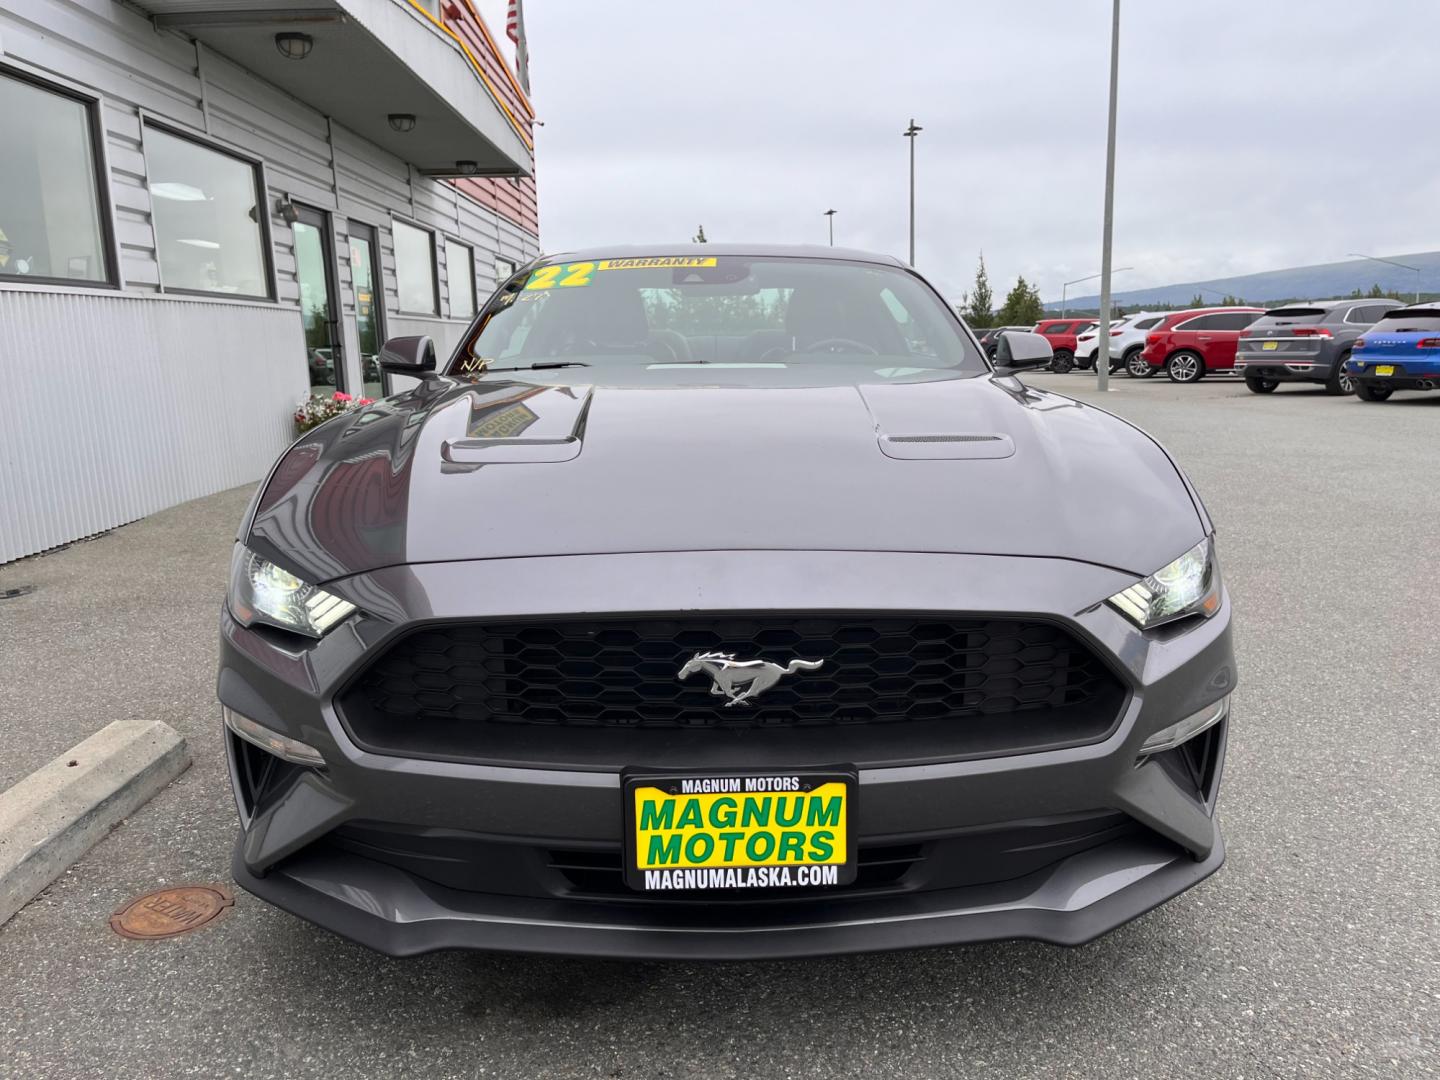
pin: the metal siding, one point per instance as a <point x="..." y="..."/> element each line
<point x="117" y="406"/>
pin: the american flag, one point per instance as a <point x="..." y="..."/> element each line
<point x="515" y="31"/>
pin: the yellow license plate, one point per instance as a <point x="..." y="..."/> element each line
<point x="1385" y="369"/>
<point x="725" y="831"/>
<point x="1270" y="346"/>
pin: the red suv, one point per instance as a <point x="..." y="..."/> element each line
<point x="1061" y="333"/>
<point x="1191" y="344"/>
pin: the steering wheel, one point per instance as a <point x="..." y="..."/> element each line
<point x="839" y="345"/>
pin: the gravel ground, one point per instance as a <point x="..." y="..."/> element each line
<point x="1314" y="953"/>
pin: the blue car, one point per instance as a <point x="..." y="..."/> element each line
<point x="1400" y="352"/>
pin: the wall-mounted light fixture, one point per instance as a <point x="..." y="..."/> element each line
<point x="293" y="45"/>
<point x="401" y="121"/>
<point x="467" y="168"/>
<point x="287" y="210"/>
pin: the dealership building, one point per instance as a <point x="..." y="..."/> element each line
<point x="210" y="208"/>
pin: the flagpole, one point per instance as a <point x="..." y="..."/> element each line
<point x="515" y="31"/>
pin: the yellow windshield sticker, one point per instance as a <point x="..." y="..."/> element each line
<point x="660" y="263"/>
<point x="562" y="276"/>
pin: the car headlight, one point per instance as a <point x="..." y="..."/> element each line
<point x="261" y="592"/>
<point x="1188" y="586"/>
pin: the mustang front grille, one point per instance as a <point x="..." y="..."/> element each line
<point x="471" y="690"/>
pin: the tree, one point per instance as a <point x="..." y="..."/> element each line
<point x="1022" y="305"/>
<point x="979" y="304"/>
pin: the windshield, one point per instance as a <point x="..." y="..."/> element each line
<point x="877" y="323"/>
<point x="1410" y="320"/>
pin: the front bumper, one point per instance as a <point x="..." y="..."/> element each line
<point x="407" y="855"/>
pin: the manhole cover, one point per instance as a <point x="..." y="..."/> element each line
<point x="168" y="912"/>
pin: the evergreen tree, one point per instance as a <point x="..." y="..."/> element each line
<point x="1022" y="305"/>
<point x="979" y="303"/>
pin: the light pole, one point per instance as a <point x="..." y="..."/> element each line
<point x="1102" y="371"/>
<point x="830" y="214"/>
<point x="913" y="130"/>
<point x="1392" y="262"/>
<point x="1066" y="286"/>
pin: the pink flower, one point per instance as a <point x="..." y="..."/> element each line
<point x="367" y="401"/>
<point x="341" y="397"/>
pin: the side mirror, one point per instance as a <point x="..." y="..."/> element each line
<point x="408" y="356"/>
<point x="1020" y="350"/>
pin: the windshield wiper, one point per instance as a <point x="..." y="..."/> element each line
<point x="544" y="365"/>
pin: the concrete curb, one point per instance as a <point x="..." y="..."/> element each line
<point x="61" y="810"/>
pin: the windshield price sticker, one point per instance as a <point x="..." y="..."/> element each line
<point x="668" y="262"/>
<point x="728" y="832"/>
<point x="578" y="275"/>
<point x="561" y="276"/>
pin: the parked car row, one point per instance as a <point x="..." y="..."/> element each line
<point x="1369" y="347"/>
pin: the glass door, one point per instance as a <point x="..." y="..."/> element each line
<point x="369" y="305"/>
<point x="319" y="310"/>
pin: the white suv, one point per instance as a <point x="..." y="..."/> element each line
<point x="1127" y="339"/>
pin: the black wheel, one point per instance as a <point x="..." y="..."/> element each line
<point x="1366" y="392"/>
<point x="1261" y="386"/>
<point x="1136" y="366"/>
<point x="1063" y="362"/>
<point x="1185" y="366"/>
<point x="1339" y="381"/>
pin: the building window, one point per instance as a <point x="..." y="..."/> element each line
<point x="207" y="210"/>
<point x="415" y="269"/>
<point x="50" y="217"/>
<point x="504" y="271"/>
<point x="460" y="272"/>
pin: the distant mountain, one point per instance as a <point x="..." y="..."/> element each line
<point x="1300" y="282"/>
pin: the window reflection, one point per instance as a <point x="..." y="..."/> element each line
<point x="49" y="205"/>
<point x="415" y="268"/>
<point x="207" y="217"/>
<point x="369" y="307"/>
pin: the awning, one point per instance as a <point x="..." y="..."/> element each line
<point x="369" y="60"/>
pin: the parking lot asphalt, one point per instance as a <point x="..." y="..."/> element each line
<point x="1314" y="953"/>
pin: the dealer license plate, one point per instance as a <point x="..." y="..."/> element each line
<point x="1270" y="346"/>
<point x="1385" y="369"/>
<point x="739" y="830"/>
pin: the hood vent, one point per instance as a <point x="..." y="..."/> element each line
<point x="949" y="447"/>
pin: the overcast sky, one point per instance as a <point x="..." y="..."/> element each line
<point x="1252" y="135"/>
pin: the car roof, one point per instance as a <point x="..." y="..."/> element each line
<point x="777" y="251"/>
<point x="1211" y="310"/>
<point x="1328" y="304"/>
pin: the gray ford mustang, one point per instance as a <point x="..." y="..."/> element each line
<point x="723" y="602"/>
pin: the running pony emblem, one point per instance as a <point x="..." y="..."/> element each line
<point x="741" y="680"/>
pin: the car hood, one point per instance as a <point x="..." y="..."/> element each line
<point x="456" y="470"/>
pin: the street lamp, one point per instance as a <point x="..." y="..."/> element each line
<point x="910" y="133"/>
<point x="1392" y="262"/>
<point x="830" y="214"/>
<point x="1066" y="286"/>
<point x="1102" y="371"/>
